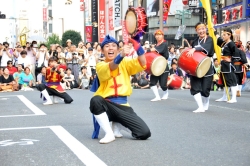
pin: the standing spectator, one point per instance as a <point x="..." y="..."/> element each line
<point x="24" y="60"/>
<point x="17" y="54"/>
<point x="42" y="58"/>
<point x="91" y="61"/>
<point x="31" y="54"/>
<point x="26" y="78"/>
<point x="84" y="78"/>
<point x="61" y="55"/>
<point x="132" y="53"/>
<point x="99" y="53"/>
<point x="10" y="67"/>
<point x="6" y="55"/>
<point x="52" y="51"/>
<point x="121" y="44"/>
<point x="69" y="79"/>
<point x="171" y="55"/>
<point x="17" y="74"/>
<point x="67" y="48"/>
<point x="75" y="63"/>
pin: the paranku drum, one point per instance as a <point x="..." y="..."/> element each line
<point x="174" y="81"/>
<point x="135" y="21"/>
<point x="196" y="65"/>
<point x="156" y="64"/>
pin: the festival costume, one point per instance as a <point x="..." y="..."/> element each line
<point x="162" y="49"/>
<point x="200" y="87"/>
<point x="229" y="56"/>
<point x="240" y="69"/>
<point x="110" y="99"/>
<point x="53" y="87"/>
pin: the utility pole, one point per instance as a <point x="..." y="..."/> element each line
<point x="161" y="14"/>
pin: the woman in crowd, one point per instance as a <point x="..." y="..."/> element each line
<point x="84" y="78"/>
<point x="26" y="78"/>
<point x="7" y="82"/>
<point x="61" y="55"/>
<point x="99" y="54"/>
<point x="171" y="55"/>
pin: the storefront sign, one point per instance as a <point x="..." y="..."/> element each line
<point x="45" y="14"/>
<point x="94" y="20"/>
<point x="111" y="20"/>
<point x="88" y="33"/>
<point x="117" y="13"/>
<point x="102" y="32"/>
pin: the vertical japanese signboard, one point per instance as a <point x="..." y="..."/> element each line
<point x="95" y="20"/>
<point x="101" y="22"/>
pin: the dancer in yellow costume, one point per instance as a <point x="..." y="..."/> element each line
<point x="110" y="100"/>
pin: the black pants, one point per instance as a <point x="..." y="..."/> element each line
<point x="163" y="79"/>
<point x="121" y="114"/>
<point x="230" y="79"/>
<point x="53" y="92"/>
<point x="201" y="85"/>
<point x="239" y="77"/>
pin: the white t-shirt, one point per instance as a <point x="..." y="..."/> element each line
<point x="92" y="60"/>
<point x="24" y="61"/>
<point x="69" y="55"/>
<point x="41" y="59"/>
<point x="5" y="59"/>
<point x="31" y="57"/>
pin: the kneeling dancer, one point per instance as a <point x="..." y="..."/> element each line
<point x="110" y="100"/>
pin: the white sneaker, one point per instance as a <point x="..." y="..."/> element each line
<point x="199" y="110"/>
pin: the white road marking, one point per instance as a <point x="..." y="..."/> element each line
<point x="81" y="151"/>
<point x="29" y="104"/>
<point x="22" y="142"/>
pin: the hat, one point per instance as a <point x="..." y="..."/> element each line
<point x="108" y="39"/>
<point x="68" y="41"/>
<point x="90" y="49"/>
<point x="159" y="32"/>
<point x="146" y="42"/>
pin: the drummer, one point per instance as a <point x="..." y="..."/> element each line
<point x="200" y="87"/>
<point x="239" y="65"/>
<point x="162" y="48"/>
<point x="229" y="54"/>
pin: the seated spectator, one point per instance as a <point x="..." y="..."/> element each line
<point x="17" y="74"/>
<point x="175" y="70"/>
<point x="26" y="79"/>
<point x="91" y="80"/>
<point x="41" y="76"/>
<point x="11" y="68"/>
<point x="7" y="82"/>
<point x="84" y="78"/>
<point x="68" y="79"/>
<point x="142" y="81"/>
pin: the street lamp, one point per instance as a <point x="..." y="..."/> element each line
<point x="182" y="15"/>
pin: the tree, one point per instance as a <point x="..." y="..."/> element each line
<point x="53" y="39"/>
<point x="74" y="36"/>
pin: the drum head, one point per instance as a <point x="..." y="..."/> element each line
<point x="158" y="65"/>
<point x="131" y="21"/>
<point x="203" y="67"/>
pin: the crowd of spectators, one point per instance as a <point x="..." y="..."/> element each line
<point x="23" y="67"/>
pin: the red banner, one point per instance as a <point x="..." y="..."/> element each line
<point x="45" y="14"/>
<point x="88" y="33"/>
<point x="166" y="8"/>
<point x="101" y="22"/>
<point x="111" y="20"/>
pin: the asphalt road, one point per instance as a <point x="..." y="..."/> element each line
<point x="60" y="134"/>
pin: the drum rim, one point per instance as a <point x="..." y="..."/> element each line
<point x="205" y="58"/>
<point x="171" y="79"/>
<point x="133" y="10"/>
<point x="159" y="56"/>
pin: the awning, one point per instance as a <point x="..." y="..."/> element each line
<point x="232" y="23"/>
